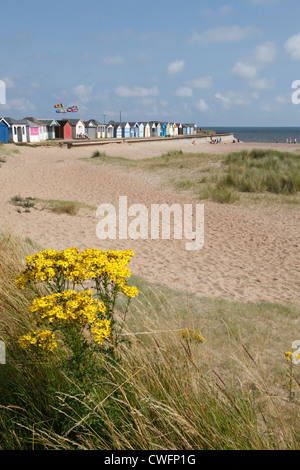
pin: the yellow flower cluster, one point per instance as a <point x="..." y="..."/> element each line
<point x="107" y="274"/>
<point x="40" y="339"/>
<point x="289" y="354"/>
<point x="70" y="307"/>
<point x="101" y="330"/>
<point x="71" y="265"/>
<point x="193" y="335"/>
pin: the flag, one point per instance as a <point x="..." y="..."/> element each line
<point x="72" y="109"/>
<point x="58" y="106"/>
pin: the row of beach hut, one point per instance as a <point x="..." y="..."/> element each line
<point x="31" y="129"/>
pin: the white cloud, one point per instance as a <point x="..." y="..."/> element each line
<point x="222" y="34"/>
<point x="83" y="92"/>
<point x="225" y="100"/>
<point x="136" y="91"/>
<point x="262" y="84"/>
<point x="202" y="105"/>
<point x="9" y="83"/>
<point x="292" y="47"/>
<point x="243" y="70"/>
<point x="202" y="82"/>
<point x="266" y="108"/>
<point x="176" y="67"/>
<point x="114" y="61"/>
<point x="265" y="53"/>
<point x="164" y="103"/>
<point x="184" y="92"/>
<point x="34" y="85"/>
<point x="20" y="104"/>
<point x="223" y="10"/>
<point x="232" y="98"/>
<point x="281" y="99"/>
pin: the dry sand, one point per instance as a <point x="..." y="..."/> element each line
<point x="249" y="254"/>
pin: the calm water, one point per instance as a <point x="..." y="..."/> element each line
<point x="262" y="134"/>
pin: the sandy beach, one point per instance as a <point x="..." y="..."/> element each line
<point x="249" y="254"/>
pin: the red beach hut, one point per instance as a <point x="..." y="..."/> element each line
<point x="65" y="129"/>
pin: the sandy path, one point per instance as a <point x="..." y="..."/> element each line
<point x="248" y="254"/>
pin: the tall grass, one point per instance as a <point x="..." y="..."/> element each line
<point x="262" y="170"/>
<point x="162" y="391"/>
<point x="223" y="178"/>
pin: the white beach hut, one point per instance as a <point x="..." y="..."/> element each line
<point x="141" y="129"/>
<point x="110" y="131"/>
<point x="101" y="132"/>
<point x="37" y="130"/>
<point x="158" y="129"/>
<point x="52" y="128"/>
<point x="16" y="130"/>
<point x="147" y="132"/>
<point x="127" y="130"/>
<point x="34" y="130"/>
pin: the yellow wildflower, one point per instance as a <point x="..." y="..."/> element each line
<point x="68" y="307"/>
<point x="101" y="330"/>
<point x="189" y="333"/>
<point x="40" y="339"/>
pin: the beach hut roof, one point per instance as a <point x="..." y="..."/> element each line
<point x="91" y="123"/>
<point x="12" y="121"/>
<point x="97" y="123"/>
<point x="50" y="122"/>
<point x="5" y="120"/>
<point x="63" y="122"/>
<point x="34" y="121"/>
<point x="74" y="122"/>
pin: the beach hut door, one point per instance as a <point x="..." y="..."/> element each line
<point x="19" y="134"/>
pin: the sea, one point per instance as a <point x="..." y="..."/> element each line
<point x="261" y="134"/>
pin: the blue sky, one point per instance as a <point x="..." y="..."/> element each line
<point x="217" y="63"/>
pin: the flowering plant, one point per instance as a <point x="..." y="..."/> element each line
<point x="82" y="316"/>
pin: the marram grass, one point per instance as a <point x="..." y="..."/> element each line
<point x="193" y="374"/>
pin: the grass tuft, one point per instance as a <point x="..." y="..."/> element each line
<point x="98" y="154"/>
<point x="65" y="207"/>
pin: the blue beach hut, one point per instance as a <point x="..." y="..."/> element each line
<point x="164" y="130"/>
<point x="136" y="130"/>
<point x="4" y="131"/>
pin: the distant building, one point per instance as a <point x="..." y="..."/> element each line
<point x="52" y="128"/>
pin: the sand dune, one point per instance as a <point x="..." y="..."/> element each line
<point x="248" y="255"/>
